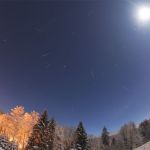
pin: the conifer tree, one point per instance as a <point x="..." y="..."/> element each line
<point x="81" y="141"/>
<point x="113" y="144"/>
<point x="144" y="129"/>
<point x="36" y="140"/>
<point x="105" y="137"/>
<point x="113" y="141"/>
<point x="49" y="136"/>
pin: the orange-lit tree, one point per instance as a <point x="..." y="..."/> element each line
<point x="17" y="125"/>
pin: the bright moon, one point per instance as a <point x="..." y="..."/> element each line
<point x="144" y="14"/>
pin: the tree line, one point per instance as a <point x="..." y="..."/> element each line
<point x="129" y="137"/>
<point x="44" y="137"/>
<point x="31" y="131"/>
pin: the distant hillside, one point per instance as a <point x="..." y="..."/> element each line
<point x="146" y="146"/>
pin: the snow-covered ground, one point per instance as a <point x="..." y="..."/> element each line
<point x="144" y="147"/>
<point x="6" y="145"/>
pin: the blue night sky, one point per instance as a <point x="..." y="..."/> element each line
<point x="80" y="60"/>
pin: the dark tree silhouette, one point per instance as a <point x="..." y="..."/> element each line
<point x="36" y="140"/>
<point x="81" y="142"/>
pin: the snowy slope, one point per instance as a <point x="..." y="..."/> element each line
<point x="144" y="147"/>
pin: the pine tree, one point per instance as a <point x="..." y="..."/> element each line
<point x="105" y="137"/>
<point x="49" y="136"/>
<point x="113" y="144"/>
<point x="81" y="142"/>
<point x="144" y="129"/>
<point x="36" y="140"/>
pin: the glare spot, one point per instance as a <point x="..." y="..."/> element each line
<point x="144" y="14"/>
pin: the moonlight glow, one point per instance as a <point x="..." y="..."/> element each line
<point x="144" y="14"/>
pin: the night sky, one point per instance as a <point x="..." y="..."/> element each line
<point x="83" y="60"/>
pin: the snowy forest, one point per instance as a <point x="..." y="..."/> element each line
<point x="20" y="130"/>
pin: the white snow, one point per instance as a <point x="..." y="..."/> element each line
<point x="146" y="146"/>
<point x="6" y="145"/>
